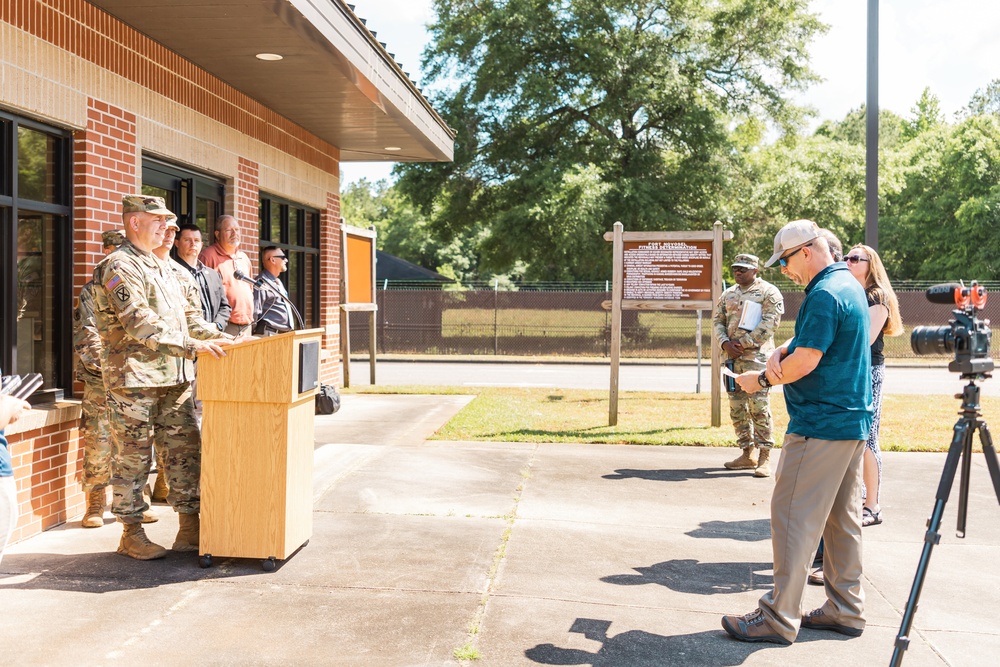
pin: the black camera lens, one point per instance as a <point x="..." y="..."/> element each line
<point x="932" y="340"/>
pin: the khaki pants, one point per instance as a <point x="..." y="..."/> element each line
<point x="817" y="489"/>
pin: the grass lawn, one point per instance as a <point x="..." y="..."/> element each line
<point x="909" y="422"/>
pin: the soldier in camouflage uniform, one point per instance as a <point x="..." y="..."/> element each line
<point x="749" y="348"/>
<point x="95" y="431"/>
<point x="147" y="344"/>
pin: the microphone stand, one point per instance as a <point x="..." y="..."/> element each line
<point x="262" y="284"/>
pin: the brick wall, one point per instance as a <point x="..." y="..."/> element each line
<point x="329" y="289"/>
<point x="48" y="465"/>
<point x="104" y="168"/>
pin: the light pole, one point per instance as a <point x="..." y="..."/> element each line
<point x="871" y="131"/>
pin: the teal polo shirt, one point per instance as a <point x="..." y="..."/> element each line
<point x="834" y="401"/>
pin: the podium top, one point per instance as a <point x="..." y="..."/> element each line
<point x="283" y="368"/>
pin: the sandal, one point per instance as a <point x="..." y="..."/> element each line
<point x="870" y="518"/>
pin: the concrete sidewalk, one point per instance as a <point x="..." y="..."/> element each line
<point x="529" y="554"/>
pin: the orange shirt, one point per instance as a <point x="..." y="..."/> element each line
<point x="239" y="293"/>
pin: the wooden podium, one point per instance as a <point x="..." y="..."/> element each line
<point x="257" y="439"/>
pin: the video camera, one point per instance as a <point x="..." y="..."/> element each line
<point x="966" y="335"/>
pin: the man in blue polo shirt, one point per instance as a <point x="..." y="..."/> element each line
<point x="826" y="371"/>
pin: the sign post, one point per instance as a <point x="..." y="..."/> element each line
<point x="665" y="271"/>
<point x="357" y="291"/>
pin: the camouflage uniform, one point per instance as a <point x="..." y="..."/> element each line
<point x="148" y="334"/>
<point x="95" y="431"/>
<point x="87" y="345"/>
<point x="751" y="413"/>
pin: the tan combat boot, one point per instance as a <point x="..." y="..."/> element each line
<point x="763" y="464"/>
<point x="94" y="516"/>
<point x="136" y="545"/>
<point x="744" y="461"/>
<point x="160" y="488"/>
<point x="187" y="534"/>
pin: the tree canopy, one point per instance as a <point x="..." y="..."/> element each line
<point x="574" y="114"/>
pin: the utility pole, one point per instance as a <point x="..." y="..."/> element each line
<point x="871" y="131"/>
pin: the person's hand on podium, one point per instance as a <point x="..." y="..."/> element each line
<point x="213" y="347"/>
<point x="244" y="339"/>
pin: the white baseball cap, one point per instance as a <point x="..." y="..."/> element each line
<point x="793" y="234"/>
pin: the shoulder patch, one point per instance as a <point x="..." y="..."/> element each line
<point x="115" y="285"/>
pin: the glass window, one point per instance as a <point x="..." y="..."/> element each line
<point x="37" y="165"/>
<point x="294" y="229"/>
<point x="36" y="261"/>
<point x="195" y="197"/>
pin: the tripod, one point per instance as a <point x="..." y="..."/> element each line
<point x="960" y="450"/>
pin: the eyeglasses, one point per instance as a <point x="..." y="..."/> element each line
<point x="854" y="259"/>
<point x="784" y="260"/>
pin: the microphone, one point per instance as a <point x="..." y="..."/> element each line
<point x="944" y="293"/>
<point x="239" y="275"/>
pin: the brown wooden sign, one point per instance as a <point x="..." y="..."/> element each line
<point x="667" y="270"/>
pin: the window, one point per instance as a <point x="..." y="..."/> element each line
<point x="36" y="262"/>
<point x="295" y="229"/>
<point x="194" y="197"/>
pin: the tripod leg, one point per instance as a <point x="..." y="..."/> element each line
<point x="991" y="457"/>
<point x="963" y="484"/>
<point x="963" y="435"/>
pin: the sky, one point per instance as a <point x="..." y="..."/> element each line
<point x="950" y="46"/>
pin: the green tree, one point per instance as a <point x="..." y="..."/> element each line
<point x="944" y="215"/>
<point x="574" y="114"/>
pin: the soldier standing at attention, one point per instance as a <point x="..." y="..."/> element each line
<point x="745" y="320"/>
<point x="146" y="353"/>
<point x="95" y="432"/>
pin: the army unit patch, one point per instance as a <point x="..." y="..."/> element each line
<point x="123" y="294"/>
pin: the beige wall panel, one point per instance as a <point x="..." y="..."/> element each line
<point x="203" y="144"/>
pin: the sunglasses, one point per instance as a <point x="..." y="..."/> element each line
<point x="279" y="257"/>
<point x="784" y="260"/>
<point x="741" y="269"/>
<point x="854" y="259"/>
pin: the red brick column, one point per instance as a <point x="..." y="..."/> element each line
<point x="329" y="289"/>
<point x="104" y="170"/>
<point x="245" y="206"/>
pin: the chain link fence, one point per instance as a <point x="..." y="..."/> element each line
<point x="567" y="320"/>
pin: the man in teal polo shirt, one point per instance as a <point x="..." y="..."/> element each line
<point x="826" y="371"/>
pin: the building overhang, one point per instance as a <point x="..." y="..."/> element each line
<point x="334" y="78"/>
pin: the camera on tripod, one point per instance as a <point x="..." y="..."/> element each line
<point x="966" y="335"/>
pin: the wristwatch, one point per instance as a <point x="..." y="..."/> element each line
<point x="763" y="381"/>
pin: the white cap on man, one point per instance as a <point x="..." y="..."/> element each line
<point x="792" y="235"/>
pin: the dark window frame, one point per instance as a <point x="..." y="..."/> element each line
<point x="309" y="218"/>
<point x="62" y="289"/>
<point x="185" y="187"/>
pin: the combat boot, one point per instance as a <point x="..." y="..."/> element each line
<point x="763" y="464"/>
<point x="94" y="516"/>
<point x="136" y="545"/>
<point x="149" y="516"/>
<point x="187" y="534"/>
<point x="160" y="488"/>
<point x="744" y="461"/>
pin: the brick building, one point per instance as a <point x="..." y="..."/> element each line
<point x="240" y="107"/>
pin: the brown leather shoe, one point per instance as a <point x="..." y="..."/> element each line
<point x="752" y="627"/>
<point x="817" y="619"/>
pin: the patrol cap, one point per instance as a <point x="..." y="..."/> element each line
<point x="746" y="261"/>
<point x="793" y="234"/>
<point x="110" y="238"/>
<point x="144" y="204"/>
<point x="172" y="222"/>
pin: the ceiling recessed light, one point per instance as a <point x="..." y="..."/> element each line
<point x="268" y="56"/>
<point x="393" y="148"/>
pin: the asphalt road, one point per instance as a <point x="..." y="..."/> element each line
<point x="632" y="377"/>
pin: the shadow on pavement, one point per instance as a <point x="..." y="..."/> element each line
<point x="690" y="576"/>
<point x="636" y="648"/>
<point x="753" y="530"/>
<point x="677" y="475"/>
<point x="107" y="571"/>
